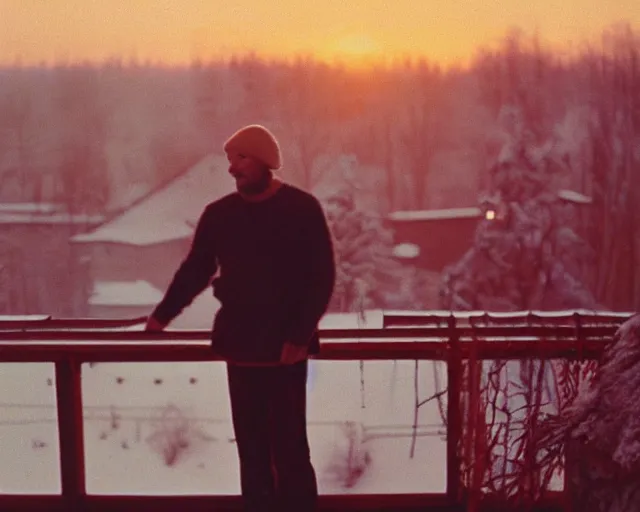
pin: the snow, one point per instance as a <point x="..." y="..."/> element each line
<point x="125" y="293"/>
<point x="30" y="207"/>
<point x="598" y="429"/>
<point x="574" y="197"/>
<point x="46" y="218"/>
<point x="406" y="251"/>
<point x="23" y="318"/>
<point x="448" y="213"/>
<point x="120" y="418"/>
<point x="43" y="213"/>
<point x="370" y="319"/>
<point x="515" y="315"/>
<point x="199" y="314"/>
<point x="171" y="212"/>
<point x="471" y="212"/>
<point x="531" y="254"/>
<point x="153" y="233"/>
<point x="368" y="275"/>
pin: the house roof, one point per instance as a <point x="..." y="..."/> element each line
<point x="574" y="197"/>
<point x="472" y="212"/>
<point x="43" y="213"/>
<point x="449" y="213"/>
<point x="30" y="207"/>
<point x="23" y="318"/>
<point x="169" y="213"/>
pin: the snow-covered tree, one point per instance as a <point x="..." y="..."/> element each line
<point x="597" y="434"/>
<point x="527" y="253"/>
<point x="368" y="274"/>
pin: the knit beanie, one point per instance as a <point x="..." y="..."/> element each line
<point x="257" y="142"/>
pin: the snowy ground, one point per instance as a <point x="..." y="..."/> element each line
<point x="123" y="402"/>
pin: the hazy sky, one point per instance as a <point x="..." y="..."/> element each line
<point x="175" y="31"/>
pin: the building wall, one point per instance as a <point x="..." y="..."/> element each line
<point x="155" y="264"/>
<point x="441" y="242"/>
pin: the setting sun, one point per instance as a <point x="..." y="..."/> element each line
<point x="355" y="50"/>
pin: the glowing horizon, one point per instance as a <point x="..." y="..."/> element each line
<point x="356" y="32"/>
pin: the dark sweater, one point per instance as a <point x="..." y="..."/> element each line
<point x="277" y="273"/>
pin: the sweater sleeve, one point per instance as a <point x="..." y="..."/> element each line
<point x="317" y="287"/>
<point x="194" y="273"/>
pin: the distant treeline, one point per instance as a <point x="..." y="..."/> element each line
<point x="92" y="137"/>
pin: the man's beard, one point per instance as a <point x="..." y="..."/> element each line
<point x="258" y="186"/>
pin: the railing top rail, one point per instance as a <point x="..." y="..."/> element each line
<point x="124" y="340"/>
<point x="600" y="330"/>
<point x="433" y="318"/>
<point x="198" y="350"/>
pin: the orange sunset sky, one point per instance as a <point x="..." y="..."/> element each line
<point x="177" y="32"/>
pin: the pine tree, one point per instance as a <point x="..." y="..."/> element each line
<point x="368" y="274"/>
<point x="526" y="253"/>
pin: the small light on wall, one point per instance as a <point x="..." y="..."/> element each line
<point x="490" y="215"/>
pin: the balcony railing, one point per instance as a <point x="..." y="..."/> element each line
<point x="456" y="340"/>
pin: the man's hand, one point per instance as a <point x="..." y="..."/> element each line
<point x="292" y="354"/>
<point x="153" y="325"/>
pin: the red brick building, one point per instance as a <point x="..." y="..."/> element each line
<point x="433" y="239"/>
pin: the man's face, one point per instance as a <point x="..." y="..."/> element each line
<point x="249" y="173"/>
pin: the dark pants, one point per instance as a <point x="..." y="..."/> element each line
<point x="268" y="407"/>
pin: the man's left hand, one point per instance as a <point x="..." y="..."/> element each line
<point x="292" y="354"/>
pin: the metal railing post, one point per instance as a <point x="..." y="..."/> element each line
<point x="454" y="420"/>
<point x="71" y="431"/>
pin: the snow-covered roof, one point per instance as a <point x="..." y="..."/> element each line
<point x="472" y="212"/>
<point x="30" y="207"/>
<point x="43" y="213"/>
<point x="124" y="293"/>
<point x="171" y="212"/>
<point x="448" y="213"/>
<point x="23" y="318"/>
<point x="574" y="197"/>
<point x="56" y="218"/>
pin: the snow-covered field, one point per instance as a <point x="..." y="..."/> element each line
<point x="124" y="433"/>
